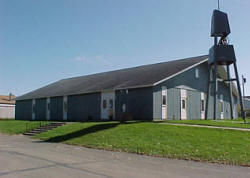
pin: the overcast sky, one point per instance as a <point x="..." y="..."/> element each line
<point x="42" y="41"/>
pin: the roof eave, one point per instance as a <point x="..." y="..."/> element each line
<point x="82" y="93"/>
<point x="184" y="70"/>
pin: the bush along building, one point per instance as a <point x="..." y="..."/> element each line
<point x="168" y="90"/>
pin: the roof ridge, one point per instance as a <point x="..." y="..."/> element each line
<point x="189" y="58"/>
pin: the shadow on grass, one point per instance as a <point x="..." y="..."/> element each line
<point x="85" y="131"/>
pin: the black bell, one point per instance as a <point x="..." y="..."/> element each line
<point x="220" y="24"/>
<point x="222" y="54"/>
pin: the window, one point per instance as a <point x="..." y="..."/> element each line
<point x="164" y="102"/>
<point x="111" y="103"/>
<point x="124" y="107"/>
<point x="202" y="105"/>
<point x="197" y="73"/>
<point x="163" y="96"/>
<point x="183" y="101"/>
<point x="221" y="106"/>
<point x="104" y="104"/>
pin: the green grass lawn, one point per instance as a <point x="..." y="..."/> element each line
<point x="18" y="127"/>
<point x="203" y="144"/>
<point x="238" y="123"/>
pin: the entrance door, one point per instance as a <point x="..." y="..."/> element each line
<point x="164" y="103"/>
<point x="183" y="104"/>
<point x="108" y="105"/>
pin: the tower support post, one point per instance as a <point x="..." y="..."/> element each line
<point x="239" y="90"/>
<point x="215" y="90"/>
<point x="208" y="91"/>
<point x="230" y="91"/>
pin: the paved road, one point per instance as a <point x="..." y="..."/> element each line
<point x="23" y="157"/>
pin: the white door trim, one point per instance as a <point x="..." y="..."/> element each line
<point x="222" y="109"/>
<point x="33" y="109"/>
<point x="48" y="108"/>
<point x="65" y="107"/>
<point x="164" y="103"/>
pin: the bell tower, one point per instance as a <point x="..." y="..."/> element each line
<point x="221" y="54"/>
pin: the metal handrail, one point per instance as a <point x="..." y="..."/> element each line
<point x="29" y="125"/>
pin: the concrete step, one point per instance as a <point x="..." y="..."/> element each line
<point x="56" y="124"/>
<point x="44" y="128"/>
<point x="38" y="131"/>
<point x="30" y="134"/>
<point x="48" y="127"/>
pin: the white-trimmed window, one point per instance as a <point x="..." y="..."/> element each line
<point x="197" y="73"/>
<point x="221" y="107"/>
<point x="164" y="96"/>
<point x="123" y="107"/>
<point x="104" y="104"/>
<point x="164" y="100"/>
<point x="221" y="97"/>
<point x="183" y="104"/>
<point x="111" y="103"/>
<point x="202" y="105"/>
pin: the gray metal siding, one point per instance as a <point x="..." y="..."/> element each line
<point x="84" y="107"/>
<point x="194" y="87"/>
<point x="236" y="102"/>
<point x="56" y="108"/>
<point x="223" y="91"/>
<point x="40" y="109"/>
<point x="173" y="103"/>
<point x="193" y="104"/>
<point x="121" y="97"/>
<point x="157" y="103"/>
<point x="139" y="103"/>
<point x="23" y="110"/>
<point x="247" y="103"/>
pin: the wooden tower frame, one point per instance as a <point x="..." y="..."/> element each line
<point x="221" y="54"/>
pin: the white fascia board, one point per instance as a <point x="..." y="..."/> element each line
<point x="184" y="70"/>
<point x="7" y="105"/>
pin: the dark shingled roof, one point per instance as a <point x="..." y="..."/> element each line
<point x="136" y="77"/>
